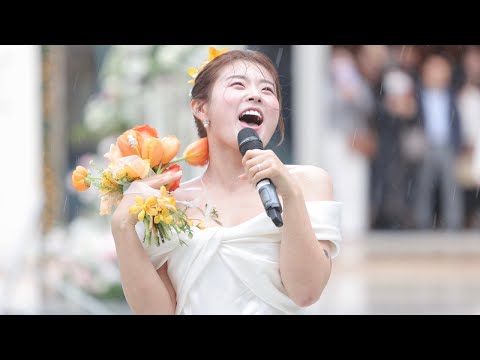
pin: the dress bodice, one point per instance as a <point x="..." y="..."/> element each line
<point x="235" y="270"/>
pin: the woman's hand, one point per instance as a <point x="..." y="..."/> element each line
<point x="122" y="216"/>
<point x="264" y="164"/>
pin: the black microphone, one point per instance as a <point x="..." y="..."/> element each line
<point x="248" y="140"/>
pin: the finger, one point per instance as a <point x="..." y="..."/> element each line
<point x="242" y="177"/>
<point x="255" y="169"/>
<point x="260" y="175"/>
<point x="251" y="154"/>
<point x="157" y="181"/>
<point x="256" y="160"/>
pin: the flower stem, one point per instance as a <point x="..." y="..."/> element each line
<point x="163" y="167"/>
<point x="174" y="161"/>
<point x="148" y="232"/>
<point x="155" y="236"/>
<point x="91" y="178"/>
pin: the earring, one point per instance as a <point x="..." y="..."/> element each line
<point x="206" y="122"/>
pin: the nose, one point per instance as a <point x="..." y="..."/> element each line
<point x="255" y="96"/>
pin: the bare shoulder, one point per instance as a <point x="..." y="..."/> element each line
<point x="314" y="181"/>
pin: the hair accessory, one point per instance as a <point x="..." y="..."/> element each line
<point x="212" y="54"/>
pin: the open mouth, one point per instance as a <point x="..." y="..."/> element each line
<point x="251" y="117"/>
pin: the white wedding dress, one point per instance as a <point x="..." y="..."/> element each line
<point x="235" y="270"/>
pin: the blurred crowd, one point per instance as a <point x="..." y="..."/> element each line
<point x="405" y="144"/>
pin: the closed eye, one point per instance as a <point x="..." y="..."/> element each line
<point x="237" y="83"/>
<point x="269" y="89"/>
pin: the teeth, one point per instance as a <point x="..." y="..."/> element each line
<point x="252" y="112"/>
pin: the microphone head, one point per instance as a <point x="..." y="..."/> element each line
<point x="248" y="139"/>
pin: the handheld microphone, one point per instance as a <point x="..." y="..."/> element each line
<point x="248" y="139"/>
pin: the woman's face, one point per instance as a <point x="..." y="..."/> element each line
<point x="244" y="95"/>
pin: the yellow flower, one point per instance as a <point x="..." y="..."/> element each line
<point x="108" y="184"/>
<point x="166" y="200"/>
<point x="163" y="216"/>
<point x="163" y="190"/>
<point x="192" y="72"/>
<point x="212" y="54"/>
<point x="148" y="207"/>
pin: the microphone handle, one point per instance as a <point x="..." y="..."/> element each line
<point x="270" y="201"/>
<point x="276" y="217"/>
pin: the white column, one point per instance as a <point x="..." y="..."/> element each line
<point x="309" y="103"/>
<point x="21" y="159"/>
<point x="311" y="116"/>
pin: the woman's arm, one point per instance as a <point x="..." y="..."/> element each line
<point x="305" y="262"/>
<point x="147" y="291"/>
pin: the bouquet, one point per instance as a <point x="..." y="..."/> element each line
<point x="137" y="154"/>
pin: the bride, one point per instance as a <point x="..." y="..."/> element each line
<point x="240" y="263"/>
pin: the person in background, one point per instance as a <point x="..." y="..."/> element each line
<point x="407" y="58"/>
<point x="372" y="62"/>
<point x="468" y="102"/>
<point x="441" y="125"/>
<point x="401" y="146"/>
<point x="476" y="164"/>
<point x="349" y="142"/>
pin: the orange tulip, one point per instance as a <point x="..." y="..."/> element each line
<point x="132" y="168"/>
<point x="171" y="145"/>
<point x="152" y="150"/>
<point x="196" y="153"/>
<point x="146" y="131"/>
<point x="172" y="186"/>
<point x="129" y="143"/>
<point x="79" y="179"/>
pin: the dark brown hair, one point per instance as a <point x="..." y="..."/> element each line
<point x="209" y="74"/>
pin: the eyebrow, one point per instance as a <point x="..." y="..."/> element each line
<point x="245" y="78"/>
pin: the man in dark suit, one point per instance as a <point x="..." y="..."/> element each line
<point x="441" y="125"/>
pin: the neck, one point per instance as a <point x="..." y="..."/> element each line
<point x="224" y="168"/>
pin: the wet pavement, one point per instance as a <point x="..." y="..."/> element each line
<point x="385" y="273"/>
<point x="407" y="273"/>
